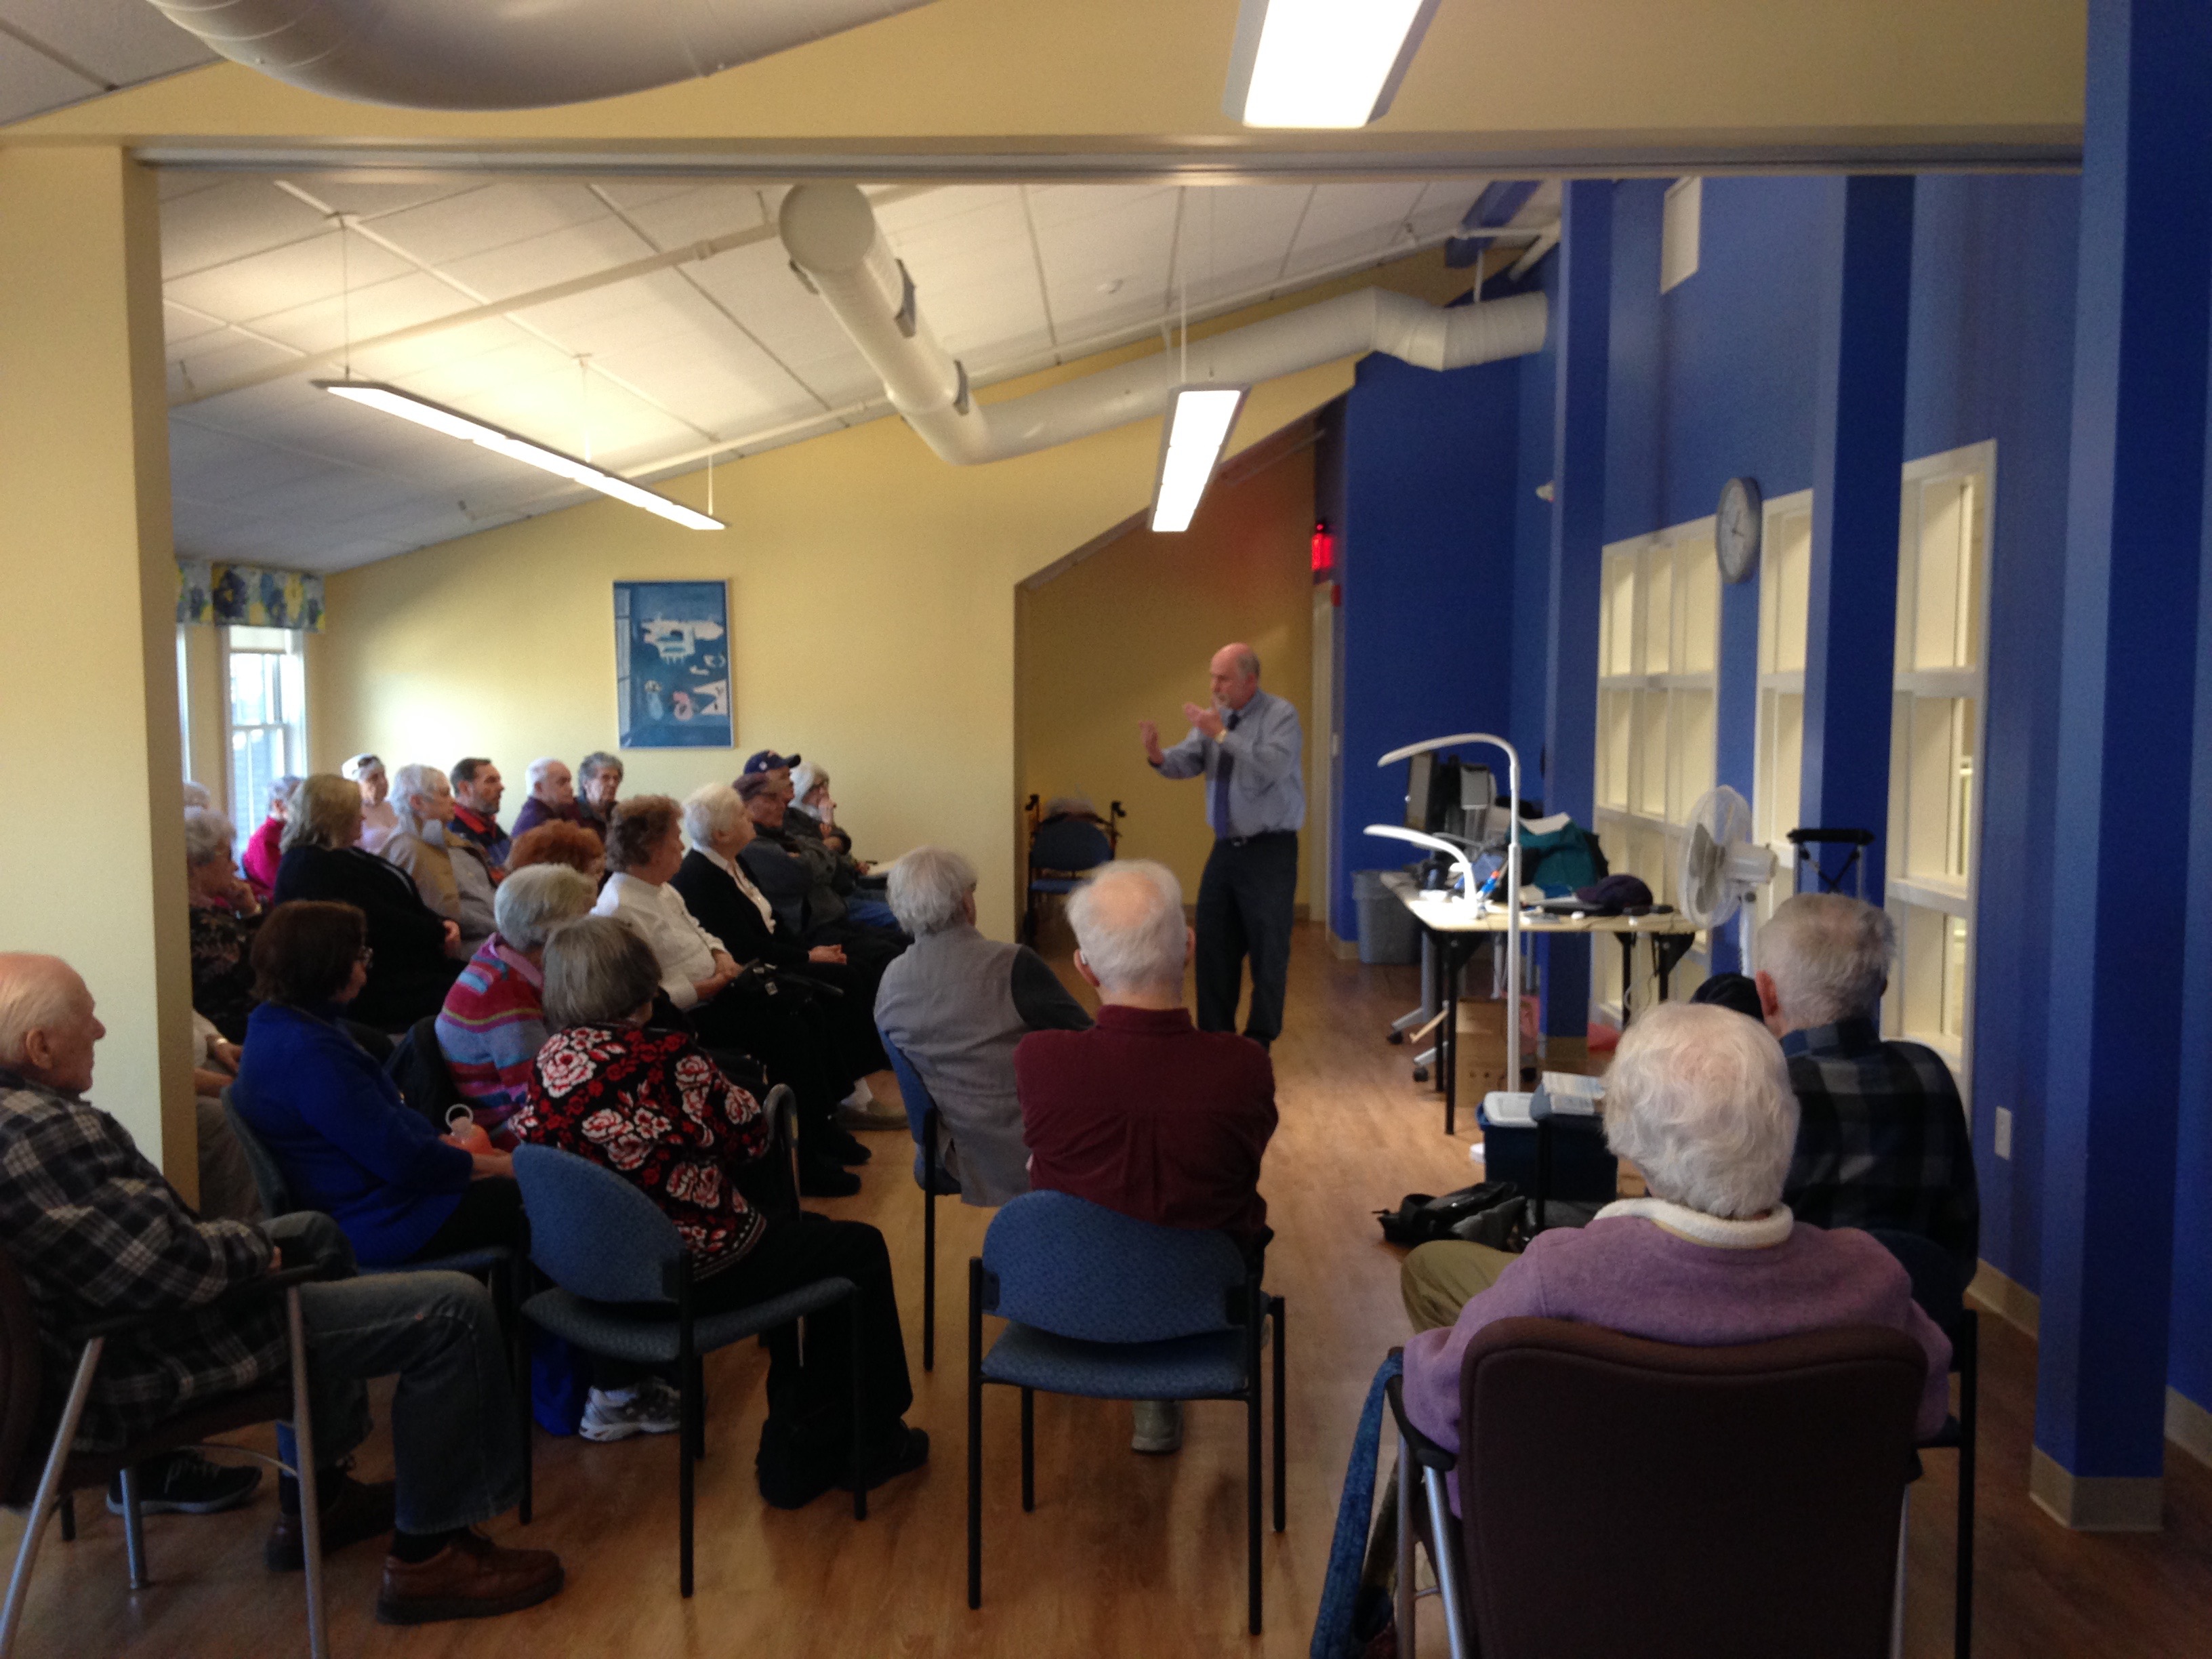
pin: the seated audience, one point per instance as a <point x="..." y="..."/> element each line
<point x="349" y="1145"/>
<point x="645" y="849"/>
<point x="599" y="781"/>
<point x="652" y="1107"/>
<point x="956" y="1003"/>
<point x="1882" y="1140"/>
<point x="477" y="789"/>
<point x="97" y="1233"/>
<point x="264" y="848"/>
<point x="809" y="814"/>
<point x="1145" y="1112"/>
<point x="197" y="796"/>
<point x="568" y="844"/>
<point x="552" y="796"/>
<point x="449" y="872"/>
<point x="801" y="880"/>
<point x="227" y="1192"/>
<point x="1698" y="1099"/>
<point x="492" y="1024"/>
<point x="379" y="817"/>
<point x="224" y="913"/>
<point x="410" y="971"/>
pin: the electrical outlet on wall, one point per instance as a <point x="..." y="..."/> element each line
<point x="2004" y="1133"/>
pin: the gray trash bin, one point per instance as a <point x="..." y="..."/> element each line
<point x="1388" y="935"/>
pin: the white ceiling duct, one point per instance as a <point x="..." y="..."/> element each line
<point x="507" y="54"/>
<point x="830" y="232"/>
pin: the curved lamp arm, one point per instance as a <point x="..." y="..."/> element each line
<point x="1419" y="838"/>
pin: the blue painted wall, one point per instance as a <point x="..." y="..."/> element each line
<point x="1426" y="551"/>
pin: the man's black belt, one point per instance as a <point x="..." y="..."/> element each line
<point x="1246" y="841"/>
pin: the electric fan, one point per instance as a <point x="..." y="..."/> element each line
<point x="1721" y="864"/>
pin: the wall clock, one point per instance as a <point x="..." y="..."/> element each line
<point x="1737" y="529"/>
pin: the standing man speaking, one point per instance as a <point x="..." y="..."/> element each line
<point x="1249" y="747"/>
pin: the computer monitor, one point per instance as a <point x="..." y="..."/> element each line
<point x="1418" y="772"/>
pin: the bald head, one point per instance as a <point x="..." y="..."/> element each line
<point x="1236" y="671"/>
<point x="47" y="1026"/>
<point x="1131" y="941"/>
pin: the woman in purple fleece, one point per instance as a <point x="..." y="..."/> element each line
<point x="1698" y="1099"/>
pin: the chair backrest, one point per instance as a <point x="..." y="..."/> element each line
<point x="19" y="1381"/>
<point x="592" y="1232"/>
<point x="418" y="1067"/>
<point x="1069" y="844"/>
<point x="1936" y="1284"/>
<point x="1078" y="1269"/>
<point x="913" y="1092"/>
<point x="1729" y="1501"/>
<point x="268" y="1175"/>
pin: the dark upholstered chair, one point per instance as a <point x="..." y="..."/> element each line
<point x="1619" y="1496"/>
<point x="922" y="1118"/>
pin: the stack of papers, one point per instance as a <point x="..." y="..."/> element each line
<point x="1566" y="1095"/>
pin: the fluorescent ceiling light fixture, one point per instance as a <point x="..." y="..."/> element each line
<point x="1321" y="62"/>
<point x="409" y="407"/>
<point x="1198" y="426"/>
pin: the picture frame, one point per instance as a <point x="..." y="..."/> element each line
<point x="672" y="669"/>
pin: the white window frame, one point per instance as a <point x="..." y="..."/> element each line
<point x="293" y="682"/>
<point x="184" y="703"/>
<point x="1905" y="889"/>
<point x="1785" y="537"/>
<point x="1635" y="812"/>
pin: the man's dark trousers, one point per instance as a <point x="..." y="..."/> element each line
<point x="1244" y="907"/>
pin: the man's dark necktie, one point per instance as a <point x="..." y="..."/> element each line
<point x="1223" y="765"/>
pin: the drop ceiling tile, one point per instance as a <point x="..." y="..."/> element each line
<point x="695" y="215"/>
<point x="497" y="216"/>
<point x="559" y="255"/>
<point x="1343" y="220"/>
<point x="173" y="182"/>
<point x="122" y="41"/>
<point x="31" y="82"/>
<point x="329" y="322"/>
<point x="278" y="280"/>
<point x="377" y="199"/>
<point x="215" y="360"/>
<point x="180" y="324"/>
<point x="231" y="219"/>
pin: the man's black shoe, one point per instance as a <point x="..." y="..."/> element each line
<point x="352" y="1511"/>
<point x="184" y="1483"/>
<point x="826" y="1180"/>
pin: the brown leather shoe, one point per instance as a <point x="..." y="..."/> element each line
<point x="471" y="1577"/>
<point x="354" y="1511"/>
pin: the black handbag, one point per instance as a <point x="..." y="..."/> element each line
<point x="1485" y="1213"/>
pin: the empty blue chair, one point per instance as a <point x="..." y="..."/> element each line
<point x="1102" y="1305"/>
<point x="921" y="1120"/>
<point x="1062" y="851"/>
<point x="624" y="1291"/>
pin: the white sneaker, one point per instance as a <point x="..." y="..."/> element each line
<point x="1159" y="1425"/>
<point x="651" y="1407"/>
<point x="861" y="1098"/>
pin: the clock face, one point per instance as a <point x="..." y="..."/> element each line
<point x="1737" y="529"/>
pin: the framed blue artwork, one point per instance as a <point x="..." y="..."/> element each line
<point x="672" y="665"/>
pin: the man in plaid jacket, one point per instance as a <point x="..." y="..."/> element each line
<point x="95" y="1232"/>
<point x="1882" y="1138"/>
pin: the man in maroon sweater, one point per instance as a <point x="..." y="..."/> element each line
<point x="1145" y="1112"/>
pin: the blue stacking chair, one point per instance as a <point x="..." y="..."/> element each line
<point x="1102" y="1305"/>
<point x="922" y="1118"/>
<point x="495" y="1264"/>
<point x="623" y="1289"/>
<point x="1062" y="851"/>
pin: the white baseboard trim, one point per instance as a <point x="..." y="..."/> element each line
<point x="2095" y="1503"/>
<point x="2189" y="1426"/>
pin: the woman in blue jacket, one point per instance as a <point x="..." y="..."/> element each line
<point x="348" y="1145"/>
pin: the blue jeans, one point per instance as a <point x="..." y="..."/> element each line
<point x="456" y="1442"/>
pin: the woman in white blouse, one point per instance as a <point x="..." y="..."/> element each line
<point x="772" y="1023"/>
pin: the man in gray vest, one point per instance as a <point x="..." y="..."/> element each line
<point x="1250" y="749"/>
<point x="956" y="1004"/>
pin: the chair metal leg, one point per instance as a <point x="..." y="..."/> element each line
<point x="68" y="1507"/>
<point x="1282" y="1429"/>
<point x="1029" y="1450"/>
<point x="1970" y="1367"/>
<point x="311" y="1499"/>
<point x="687" y="1436"/>
<point x="1404" y="1475"/>
<point x="929" y="1239"/>
<point x="1445" y="1557"/>
<point x="518" y="1340"/>
<point x="134" y="1531"/>
<point x="1252" y="1500"/>
<point x="860" y="1413"/>
<point x="1897" y="1597"/>
<point x="42" y="1505"/>
<point x="976" y="1431"/>
<point x="696" y="1438"/>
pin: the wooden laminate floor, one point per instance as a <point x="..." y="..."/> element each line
<point x="1124" y="1555"/>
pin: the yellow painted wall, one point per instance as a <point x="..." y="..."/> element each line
<point x="1126" y="636"/>
<point x="87" y="643"/>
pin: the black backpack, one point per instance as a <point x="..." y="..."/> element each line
<point x="1485" y="1213"/>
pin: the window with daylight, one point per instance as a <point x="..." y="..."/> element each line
<point x="1658" y="651"/>
<point x="184" y="703"/>
<point x="1935" y="740"/>
<point x="1786" y="570"/>
<point x="266" y="716"/>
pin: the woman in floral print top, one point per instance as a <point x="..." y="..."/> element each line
<point x="650" y="1106"/>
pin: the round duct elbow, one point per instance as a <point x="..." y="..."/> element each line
<point x="506" y="54"/>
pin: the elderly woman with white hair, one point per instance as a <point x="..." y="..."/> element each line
<point x="379" y="816"/>
<point x="224" y="914"/>
<point x="492" y="1024"/>
<point x="955" y="1005"/>
<point x="450" y="872"/>
<point x="1698" y="1099"/>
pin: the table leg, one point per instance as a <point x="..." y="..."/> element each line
<point x="1448" y="1037"/>
<point x="1627" y="972"/>
<point x="1543" y="1174"/>
<point x="1667" y="949"/>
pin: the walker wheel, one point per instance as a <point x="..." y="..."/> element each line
<point x="1394" y="1038"/>
<point x="1420" y="1074"/>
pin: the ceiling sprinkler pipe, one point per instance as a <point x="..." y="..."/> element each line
<point x="831" y="234"/>
<point x="506" y="54"/>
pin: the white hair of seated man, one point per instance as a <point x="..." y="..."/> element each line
<point x="928" y="889"/>
<point x="37" y="994"/>
<point x="197" y="796"/>
<point x="409" y="781"/>
<point x="538" y="901"/>
<point x="711" y="811"/>
<point x="209" y="837"/>
<point x="542" y="768"/>
<point x="1129" y="926"/>
<point x="1698" y="1099"/>
<point x="1824" y="957"/>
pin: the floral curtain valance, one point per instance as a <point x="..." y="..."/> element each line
<point x="248" y="596"/>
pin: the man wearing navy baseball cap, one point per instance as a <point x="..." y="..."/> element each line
<point x="768" y="760"/>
